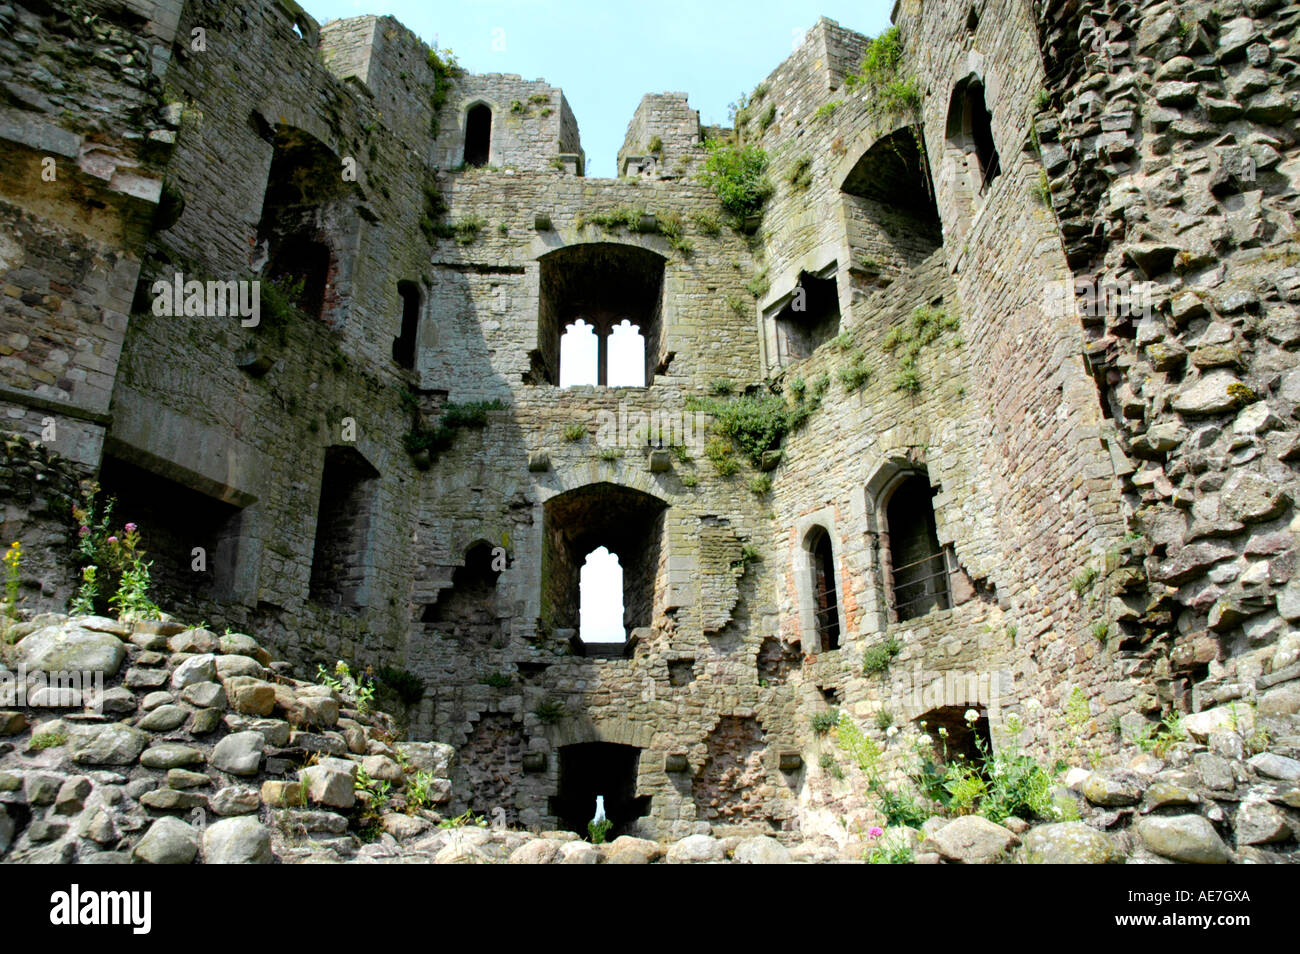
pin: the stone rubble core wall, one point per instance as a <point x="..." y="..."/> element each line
<point x="1089" y="475"/>
<point x="187" y="745"/>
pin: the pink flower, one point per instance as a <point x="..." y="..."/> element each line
<point x="112" y="540"/>
<point x="875" y="832"/>
<point x="84" y="532"/>
<point x="130" y="528"/>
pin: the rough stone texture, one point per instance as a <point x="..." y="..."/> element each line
<point x="971" y="840"/>
<point x="1187" y="838"/>
<point x="169" y="841"/>
<point x="1068" y="843"/>
<point x="237" y="841"/>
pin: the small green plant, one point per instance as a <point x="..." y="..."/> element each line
<point x="827" y="110"/>
<point x="830" y="766"/>
<point x="760" y="485"/>
<point x="12" y="561"/>
<point x="823" y="722"/>
<point x="884" y="720"/>
<point x="671" y="228"/>
<point x="877" y="658"/>
<point x="719" y="453"/>
<point x="466" y="230"/>
<point x="1160" y="737"/>
<point x="707" y="223"/>
<point x="597" y="830"/>
<point x="575" y="432"/>
<point x="1101" y="630"/>
<point x="656" y="145"/>
<point x="497" y="680"/>
<point x="467" y="820"/>
<point x="49" y="740"/>
<point x="610" y="454"/>
<point x="357" y="686"/>
<point x="1042" y="99"/>
<point x="549" y="711"/>
<point x="690" y="480"/>
<point x="132" y="597"/>
<point x="721" y="387"/>
<point x="759" y="285"/>
<point x="799" y="175"/>
<point x="842" y="341"/>
<point x="737" y="175"/>
<point x="408" y="686"/>
<point x="1082" y="581"/>
<point x="419" y="791"/>
<point x="737" y="305"/>
<point x="899" y="854"/>
<point x="881" y="75"/>
<point x="856" y="374"/>
<point x="748" y="554"/>
<point x="1043" y="191"/>
<point x="517" y="106"/>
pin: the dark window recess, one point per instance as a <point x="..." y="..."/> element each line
<point x="173" y="519"/>
<point x="982" y="131"/>
<point x="812" y="316"/>
<point x="404" y="343"/>
<point x="917" y="561"/>
<point x="342" y="552"/>
<point x="478" y="135"/>
<point x="961" y="740"/>
<point x="301" y="268"/>
<point x="605" y="769"/>
<point x="616" y="292"/>
<point x="825" y="592"/>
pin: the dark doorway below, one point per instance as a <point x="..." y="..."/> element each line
<point x="589" y="769"/>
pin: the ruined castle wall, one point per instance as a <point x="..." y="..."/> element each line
<point x="529" y="128"/>
<point x="668" y="118"/>
<point x="1170" y="140"/>
<point x="85" y="139"/>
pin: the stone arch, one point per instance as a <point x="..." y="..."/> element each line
<point x="603" y="283"/>
<point x="627" y="522"/>
<point x="913" y="569"/>
<point x="478" y="117"/>
<point x="817" y="618"/>
<point x="890" y="209"/>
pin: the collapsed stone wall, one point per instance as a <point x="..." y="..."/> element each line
<point x="1172" y="156"/>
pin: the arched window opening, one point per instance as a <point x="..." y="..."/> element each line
<point x="970" y="128"/>
<point x="626" y="356"/>
<point x="600" y="599"/>
<point x="579" y="355"/>
<point x="478" y="135"/>
<point x="616" y="291"/>
<point x="890" y="211"/>
<point x="302" y="187"/>
<point x="918" y="564"/>
<point x="823" y="588"/>
<point x="607" y="770"/>
<point x="601" y="566"/>
<point x="404" y="343"/>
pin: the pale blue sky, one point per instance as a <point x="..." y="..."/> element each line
<point x="607" y="55"/>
